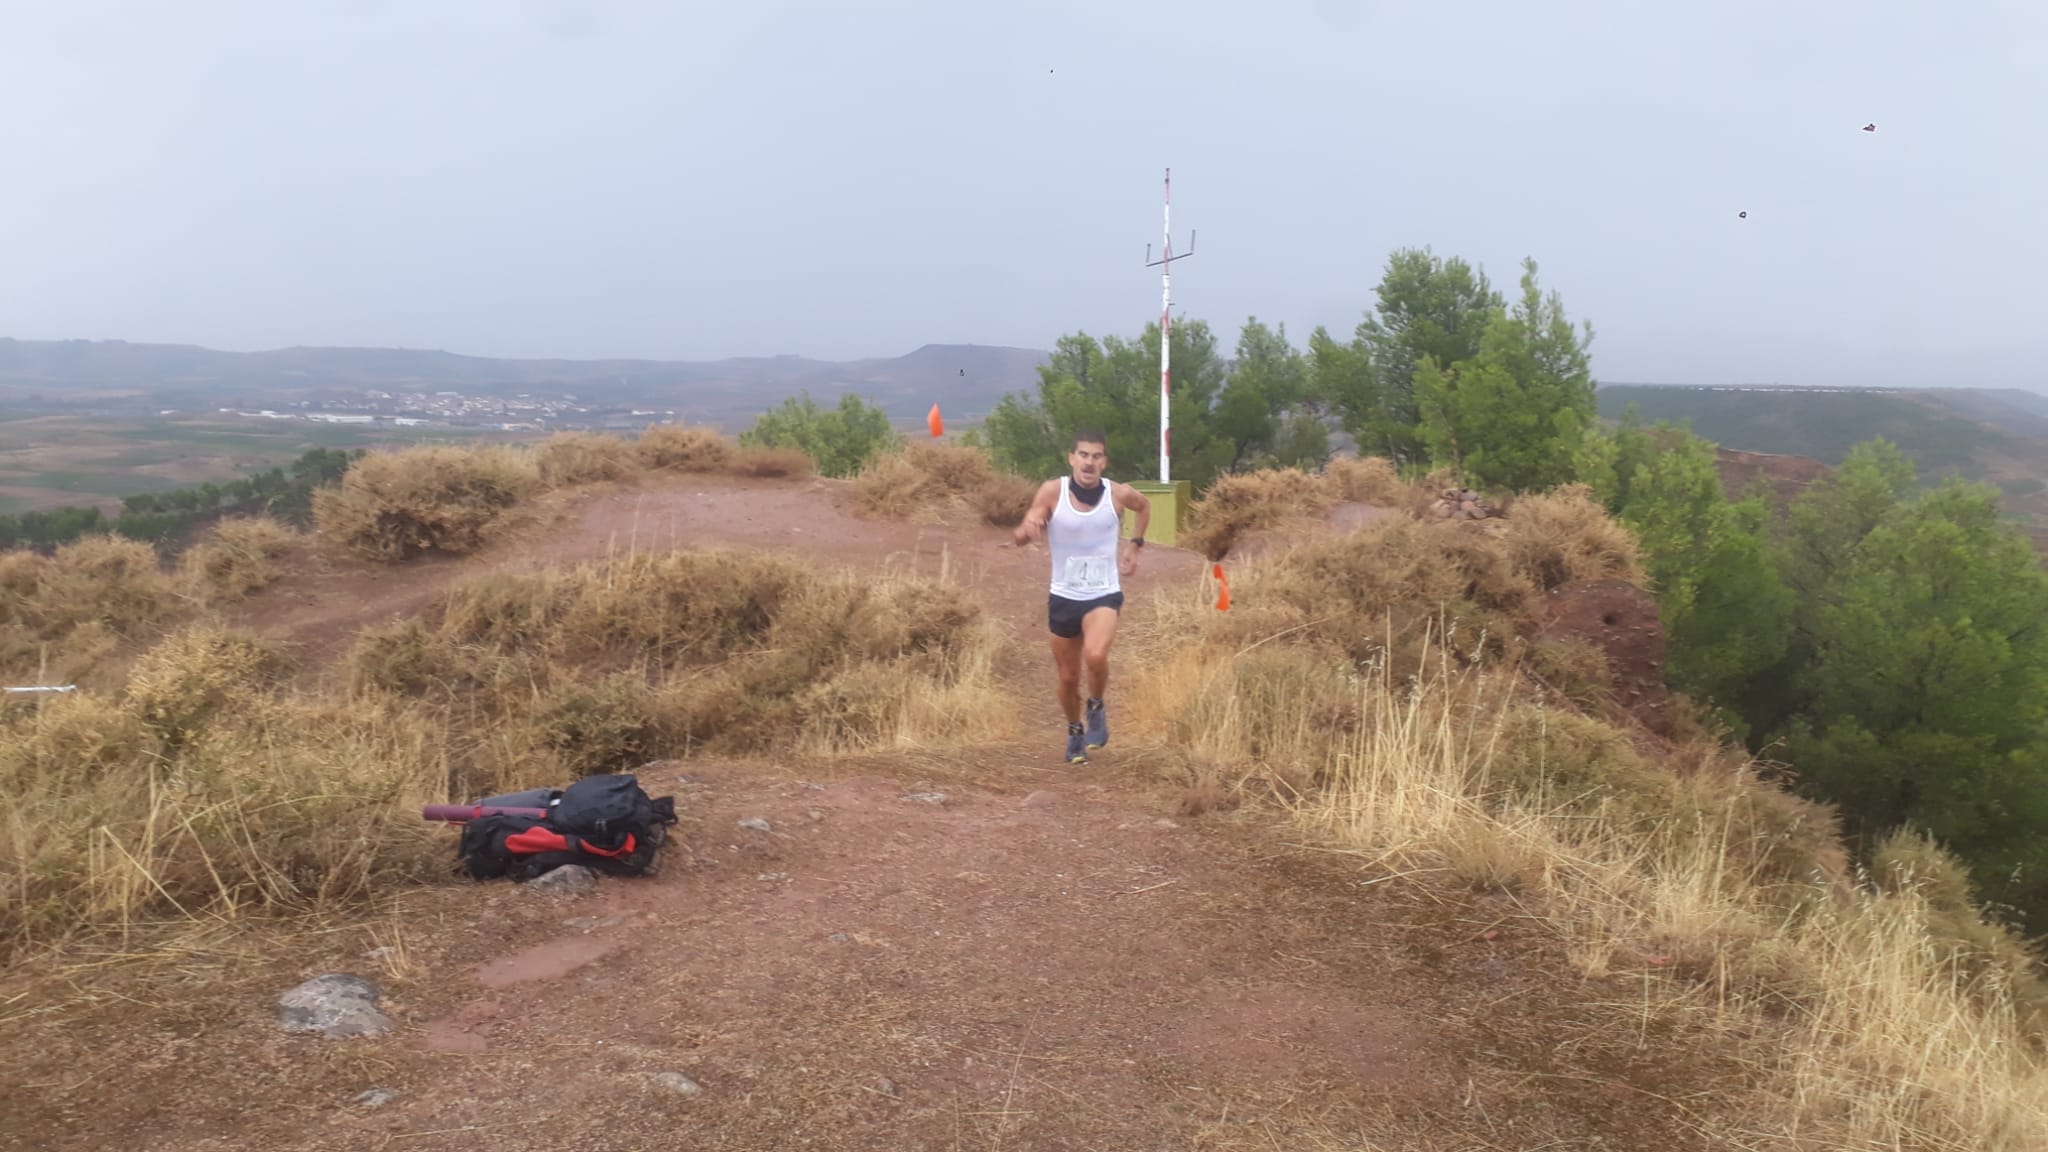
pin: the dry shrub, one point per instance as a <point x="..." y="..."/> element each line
<point x="683" y="448"/>
<point x="62" y="616"/>
<point x="239" y="557"/>
<point x="1242" y="502"/>
<point x="890" y="486"/>
<point x="922" y="477"/>
<point x="606" y="726"/>
<point x="1574" y="668"/>
<point x="396" y="505"/>
<point x="1906" y="861"/>
<point x="570" y="458"/>
<point x="1369" y="480"/>
<point x="182" y="682"/>
<point x="1003" y="500"/>
<point x="1565" y="536"/>
<point x="1394" y="579"/>
<point x="742" y="651"/>
<point x="265" y="802"/>
<point x="105" y="580"/>
<point x="766" y="463"/>
<point x="951" y="468"/>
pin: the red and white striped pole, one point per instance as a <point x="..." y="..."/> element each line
<point x="1165" y="334"/>
<point x="1165" y="266"/>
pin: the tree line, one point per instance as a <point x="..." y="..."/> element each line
<point x="162" y="517"/>
<point x="1886" y="639"/>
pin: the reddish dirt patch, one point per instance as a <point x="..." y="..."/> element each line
<point x="1787" y="476"/>
<point x="1622" y="622"/>
<point x="550" y="961"/>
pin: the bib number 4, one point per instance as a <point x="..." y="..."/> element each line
<point x="1089" y="573"/>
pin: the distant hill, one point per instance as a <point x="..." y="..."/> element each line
<point x="1995" y="435"/>
<point x="966" y="378"/>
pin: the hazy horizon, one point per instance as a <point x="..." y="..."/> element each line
<point x="614" y="180"/>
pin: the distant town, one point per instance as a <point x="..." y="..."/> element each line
<point x="521" y="413"/>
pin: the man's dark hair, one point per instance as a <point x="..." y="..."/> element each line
<point x="1089" y="436"/>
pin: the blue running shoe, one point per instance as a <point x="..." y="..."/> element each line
<point x="1076" y="753"/>
<point x="1098" y="725"/>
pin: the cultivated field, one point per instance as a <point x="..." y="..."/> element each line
<point x="49" y="460"/>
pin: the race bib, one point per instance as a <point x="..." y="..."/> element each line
<point x="1088" y="573"/>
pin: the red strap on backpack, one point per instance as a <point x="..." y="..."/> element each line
<point x="543" y="839"/>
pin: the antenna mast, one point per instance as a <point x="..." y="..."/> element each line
<point x="1165" y="266"/>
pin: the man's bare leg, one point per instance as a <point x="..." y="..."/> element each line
<point x="1098" y="631"/>
<point x="1066" y="660"/>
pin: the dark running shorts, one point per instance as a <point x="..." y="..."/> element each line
<point x="1063" y="616"/>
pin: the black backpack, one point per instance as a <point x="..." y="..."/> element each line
<point x="605" y="822"/>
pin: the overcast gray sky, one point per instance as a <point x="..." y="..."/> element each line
<point x="590" y="178"/>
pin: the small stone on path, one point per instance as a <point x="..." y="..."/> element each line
<point x="677" y="1083"/>
<point x="927" y="797"/>
<point x="772" y="877"/>
<point x="376" y="1097"/>
<point x="887" y="1087"/>
<point x="568" y="880"/>
<point x="334" y="1005"/>
<point x="755" y="823"/>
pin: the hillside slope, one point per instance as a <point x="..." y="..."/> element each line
<point x="1049" y="957"/>
<point x="1995" y="436"/>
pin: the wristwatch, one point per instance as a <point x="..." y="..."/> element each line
<point x="1137" y="541"/>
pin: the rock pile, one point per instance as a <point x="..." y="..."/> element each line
<point x="1460" y="504"/>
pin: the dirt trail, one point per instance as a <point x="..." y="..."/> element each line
<point x="1046" y="962"/>
<point x="1049" y="958"/>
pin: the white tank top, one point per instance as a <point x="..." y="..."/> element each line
<point x="1083" y="545"/>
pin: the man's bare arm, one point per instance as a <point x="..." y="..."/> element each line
<point x="1140" y="508"/>
<point x="1033" y="526"/>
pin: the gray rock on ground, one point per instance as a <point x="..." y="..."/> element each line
<point x="376" y="1097"/>
<point x="336" y="1005"/>
<point x="567" y="880"/>
<point x="677" y="1083"/>
<point x="756" y="824"/>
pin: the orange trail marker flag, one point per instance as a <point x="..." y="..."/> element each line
<point x="933" y="422"/>
<point x="1223" y="595"/>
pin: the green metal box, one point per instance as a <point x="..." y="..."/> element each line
<point x="1169" y="511"/>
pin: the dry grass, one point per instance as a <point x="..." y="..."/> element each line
<point x="1392" y="578"/>
<point x="767" y="463"/>
<point x="1371" y="480"/>
<point x="684" y="448"/>
<point x="726" y="651"/>
<point x="394" y="506"/>
<point x="1565" y="536"/>
<point x="1898" y="1016"/>
<point x="204" y="792"/>
<point x="1244" y="502"/>
<point x="1003" y="500"/>
<point x="922" y="479"/>
<point x="62" y="615"/>
<point x="567" y="459"/>
<point x="239" y="557"/>
<point x="1278" y="500"/>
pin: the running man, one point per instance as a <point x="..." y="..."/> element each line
<point x="1078" y="518"/>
